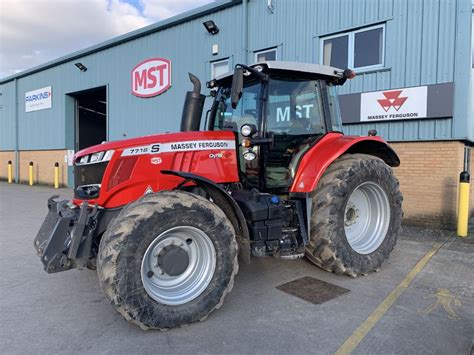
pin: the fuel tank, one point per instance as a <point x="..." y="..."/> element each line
<point x="116" y="173"/>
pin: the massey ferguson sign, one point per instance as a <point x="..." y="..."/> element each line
<point x="399" y="104"/>
<point x="151" y="77"/>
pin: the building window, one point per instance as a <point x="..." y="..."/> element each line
<point x="266" y="55"/>
<point x="220" y="67"/>
<point x="361" y="50"/>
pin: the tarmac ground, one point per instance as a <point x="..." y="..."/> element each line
<point x="421" y="301"/>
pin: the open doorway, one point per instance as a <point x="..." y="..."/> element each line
<point x="90" y="117"/>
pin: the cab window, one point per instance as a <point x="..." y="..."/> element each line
<point x="294" y="108"/>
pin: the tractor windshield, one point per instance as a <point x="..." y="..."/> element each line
<point x="293" y="108"/>
<point x="244" y="113"/>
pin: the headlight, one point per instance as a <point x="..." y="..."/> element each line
<point x="248" y="130"/>
<point x="249" y="155"/>
<point x="93" y="158"/>
<point x="96" y="157"/>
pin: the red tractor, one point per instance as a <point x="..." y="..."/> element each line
<point x="164" y="217"/>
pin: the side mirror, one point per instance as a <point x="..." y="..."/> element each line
<point x="237" y="87"/>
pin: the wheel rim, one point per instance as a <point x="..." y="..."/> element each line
<point x="178" y="265"/>
<point x="367" y="217"/>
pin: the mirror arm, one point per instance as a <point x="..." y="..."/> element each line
<point x="259" y="74"/>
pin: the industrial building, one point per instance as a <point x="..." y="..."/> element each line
<point x="414" y="84"/>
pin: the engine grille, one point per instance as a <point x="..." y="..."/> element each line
<point x="90" y="174"/>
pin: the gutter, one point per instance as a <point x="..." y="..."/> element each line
<point x="245" y="36"/>
<point x="17" y="153"/>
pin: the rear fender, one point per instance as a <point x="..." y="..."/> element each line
<point x="315" y="162"/>
<point x="225" y="202"/>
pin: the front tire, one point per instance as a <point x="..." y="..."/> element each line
<point x="356" y="216"/>
<point x="167" y="260"/>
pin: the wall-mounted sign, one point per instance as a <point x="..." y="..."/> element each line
<point x="400" y="104"/>
<point x="39" y="99"/>
<point x="151" y="77"/>
<point x="420" y="102"/>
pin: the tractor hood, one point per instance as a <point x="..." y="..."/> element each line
<point x="115" y="173"/>
<point x="156" y="138"/>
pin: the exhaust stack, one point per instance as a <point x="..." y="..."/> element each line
<point x="193" y="106"/>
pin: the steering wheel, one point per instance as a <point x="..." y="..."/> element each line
<point x="301" y="126"/>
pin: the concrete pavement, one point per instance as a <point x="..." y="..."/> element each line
<point x="67" y="312"/>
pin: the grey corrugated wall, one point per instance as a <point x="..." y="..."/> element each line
<point x="427" y="42"/>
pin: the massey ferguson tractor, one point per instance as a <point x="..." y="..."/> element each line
<point x="165" y="218"/>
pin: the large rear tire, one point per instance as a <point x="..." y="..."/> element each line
<point x="167" y="260"/>
<point x="356" y="216"/>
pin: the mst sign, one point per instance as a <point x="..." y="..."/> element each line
<point x="151" y="77"/>
<point x="400" y="104"/>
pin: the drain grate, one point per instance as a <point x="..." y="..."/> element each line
<point x="312" y="290"/>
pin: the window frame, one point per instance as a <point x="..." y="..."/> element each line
<point x="271" y="49"/>
<point x="213" y="63"/>
<point x="351" y="47"/>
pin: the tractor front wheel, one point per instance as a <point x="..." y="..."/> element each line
<point x="356" y="215"/>
<point x="168" y="259"/>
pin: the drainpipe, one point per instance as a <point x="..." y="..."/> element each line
<point x="17" y="153"/>
<point x="245" y="39"/>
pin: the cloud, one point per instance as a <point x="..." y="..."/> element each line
<point x="160" y="9"/>
<point x="33" y="32"/>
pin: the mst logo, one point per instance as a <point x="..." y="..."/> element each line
<point x="151" y="77"/>
<point x="392" y="99"/>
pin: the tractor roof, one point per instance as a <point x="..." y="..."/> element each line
<point x="294" y="67"/>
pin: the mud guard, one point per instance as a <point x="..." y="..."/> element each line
<point x="222" y="199"/>
<point x="330" y="147"/>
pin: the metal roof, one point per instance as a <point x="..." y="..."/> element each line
<point x="170" y="22"/>
<point x="295" y="67"/>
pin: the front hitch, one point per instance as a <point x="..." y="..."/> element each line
<point x="65" y="237"/>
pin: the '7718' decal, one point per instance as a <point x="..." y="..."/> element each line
<point x="180" y="147"/>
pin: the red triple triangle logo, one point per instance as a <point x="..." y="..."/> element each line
<point x="392" y="99"/>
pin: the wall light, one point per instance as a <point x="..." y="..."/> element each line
<point x="211" y="27"/>
<point x="80" y="66"/>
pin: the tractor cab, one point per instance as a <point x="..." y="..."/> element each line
<point x="278" y="110"/>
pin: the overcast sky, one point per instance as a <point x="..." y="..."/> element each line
<point x="33" y="32"/>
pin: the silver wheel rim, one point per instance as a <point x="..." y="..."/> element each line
<point x="185" y="287"/>
<point x="367" y="217"/>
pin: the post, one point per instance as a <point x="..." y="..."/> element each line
<point x="10" y="172"/>
<point x="463" y="204"/>
<point x="56" y="175"/>
<point x="30" y="173"/>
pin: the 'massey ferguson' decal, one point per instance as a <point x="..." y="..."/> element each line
<point x="179" y="147"/>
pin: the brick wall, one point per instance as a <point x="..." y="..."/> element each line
<point x="4" y="158"/>
<point x="429" y="176"/>
<point x="43" y="165"/>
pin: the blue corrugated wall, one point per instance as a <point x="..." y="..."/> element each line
<point x="427" y="42"/>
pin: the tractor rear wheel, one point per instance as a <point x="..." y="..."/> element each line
<point x="356" y="216"/>
<point x="168" y="259"/>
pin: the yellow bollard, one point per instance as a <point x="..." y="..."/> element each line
<point x="463" y="204"/>
<point x="30" y="173"/>
<point x="56" y="175"/>
<point x="10" y="172"/>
